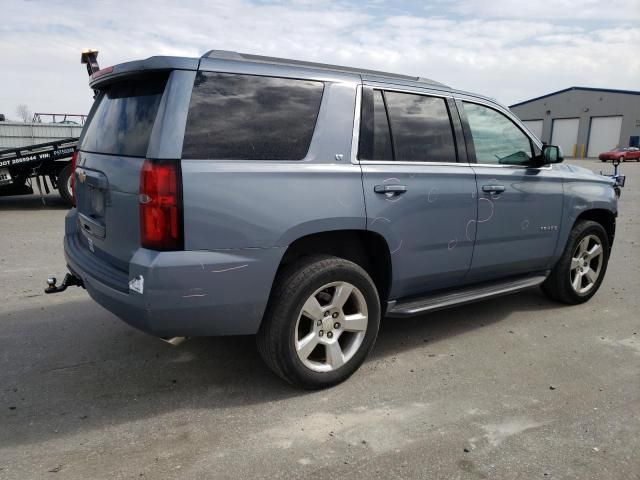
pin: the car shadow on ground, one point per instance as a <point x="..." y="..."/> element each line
<point x="79" y="368"/>
<point x="53" y="201"/>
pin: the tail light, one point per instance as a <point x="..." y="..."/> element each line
<point x="74" y="161"/>
<point x="161" y="205"/>
<point x="99" y="73"/>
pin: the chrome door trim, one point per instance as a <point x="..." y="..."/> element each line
<point x="435" y="164"/>
<point x="453" y="95"/>
<point x="519" y="167"/>
<point x="355" y="136"/>
<point x="415" y="91"/>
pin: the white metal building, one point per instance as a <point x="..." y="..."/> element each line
<point x="584" y="121"/>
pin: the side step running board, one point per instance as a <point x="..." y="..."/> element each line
<point x="460" y="296"/>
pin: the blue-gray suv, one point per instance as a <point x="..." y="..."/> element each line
<point x="236" y="194"/>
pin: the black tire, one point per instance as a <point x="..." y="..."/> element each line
<point x="621" y="159"/>
<point x="292" y="288"/>
<point x="63" y="185"/>
<point x="558" y="285"/>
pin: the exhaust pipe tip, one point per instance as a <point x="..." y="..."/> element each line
<point x="175" y="341"/>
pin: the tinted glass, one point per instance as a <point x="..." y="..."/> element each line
<point x="124" y="116"/>
<point x="249" y="117"/>
<point x="381" y="135"/>
<point x="496" y="138"/>
<point x="421" y="128"/>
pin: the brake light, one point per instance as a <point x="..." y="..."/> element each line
<point x="160" y="205"/>
<point x="99" y="73"/>
<point x="74" y="161"/>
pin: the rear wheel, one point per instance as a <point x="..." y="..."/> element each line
<point x="580" y="271"/>
<point x="64" y="185"/>
<point x="621" y="159"/>
<point x="322" y="321"/>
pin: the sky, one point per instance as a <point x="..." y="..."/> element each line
<point x="508" y="50"/>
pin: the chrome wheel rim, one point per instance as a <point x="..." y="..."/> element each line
<point x="331" y="326"/>
<point x="586" y="264"/>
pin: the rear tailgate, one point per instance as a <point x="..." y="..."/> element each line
<point x="112" y="150"/>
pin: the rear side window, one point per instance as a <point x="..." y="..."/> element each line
<point x="248" y="117"/>
<point x="405" y="127"/>
<point x="124" y="116"/>
<point x="382" y="149"/>
<point x="421" y="128"/>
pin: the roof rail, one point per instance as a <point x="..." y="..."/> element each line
<point x="246" y="57"/>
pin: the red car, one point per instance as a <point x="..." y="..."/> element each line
<point x="621" y="153"/>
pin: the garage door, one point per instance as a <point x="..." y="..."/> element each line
<point x="564" y="133"/>
<point x="604" y="134"/>
<point x="535" y="126"/>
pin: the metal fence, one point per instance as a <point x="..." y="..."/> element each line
<point x="15" y="134"/>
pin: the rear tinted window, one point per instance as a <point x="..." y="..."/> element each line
<point x="382" y="149"/>
<point x="251" y="117"/>
<point x="421" y="128"/>
<point x="124" y="116"/>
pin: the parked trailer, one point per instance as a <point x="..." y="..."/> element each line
<point x="43" y="163"/>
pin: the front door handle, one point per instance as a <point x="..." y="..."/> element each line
<point x="493" y="188"/>
<point x="390" y="189"/>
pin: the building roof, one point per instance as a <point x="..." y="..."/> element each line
<point x="588" y="89"/>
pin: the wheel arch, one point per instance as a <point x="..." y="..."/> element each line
<point x="367" y="249"/>
<point x="604" y="217"/>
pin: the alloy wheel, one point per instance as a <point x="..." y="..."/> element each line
<point x="586" y="264"/>
<point x="331" y="326"/>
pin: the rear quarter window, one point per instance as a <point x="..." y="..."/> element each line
<point x="124" y="115"/>
<point x="248" y="117"/>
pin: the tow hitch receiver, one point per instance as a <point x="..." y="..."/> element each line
<point x="69" y="281"/>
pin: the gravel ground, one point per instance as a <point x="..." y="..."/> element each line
<point x="516" y="387"/>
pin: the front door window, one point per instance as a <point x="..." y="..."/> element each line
<point x="497" y="140"/>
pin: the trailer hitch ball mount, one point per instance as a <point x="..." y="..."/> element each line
<point x="69" y="280"/>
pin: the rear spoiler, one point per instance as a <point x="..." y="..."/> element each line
<point x="107" y="75"/>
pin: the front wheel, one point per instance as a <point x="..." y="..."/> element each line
<point x="580" y="271"/>
<point x="621" y="159"/>
<point x="321" y="322"/>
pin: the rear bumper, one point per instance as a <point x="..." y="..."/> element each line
<point x="188" y="293"/>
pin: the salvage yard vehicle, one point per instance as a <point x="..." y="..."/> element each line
<point x="235" y="194"/>
<point x="39" y="163"/>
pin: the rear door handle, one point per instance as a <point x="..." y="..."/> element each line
<point x="391" y="189"/>
<point x="493" y="188"/>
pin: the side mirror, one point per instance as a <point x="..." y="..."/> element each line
<point x="551" y="154"/>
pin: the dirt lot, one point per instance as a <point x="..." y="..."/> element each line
<point x="516" y="387"/>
